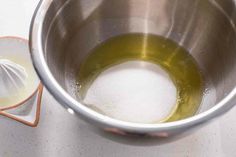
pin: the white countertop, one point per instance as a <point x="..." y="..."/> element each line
<point x="60" y="134"/>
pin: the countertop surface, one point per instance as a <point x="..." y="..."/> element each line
<point x="61" y="134"/>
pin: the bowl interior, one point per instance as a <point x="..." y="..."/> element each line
<point x="71" y="29"/>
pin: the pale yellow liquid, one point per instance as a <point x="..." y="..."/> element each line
<point x="174" y="59"/>
<point x="28" y="89"/>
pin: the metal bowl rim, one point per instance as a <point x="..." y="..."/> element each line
<point x="36" y="49"/>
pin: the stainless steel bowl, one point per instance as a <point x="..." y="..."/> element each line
<point x="64" y="31"/>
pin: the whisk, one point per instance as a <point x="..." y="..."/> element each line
<point x="12" y="78"/>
